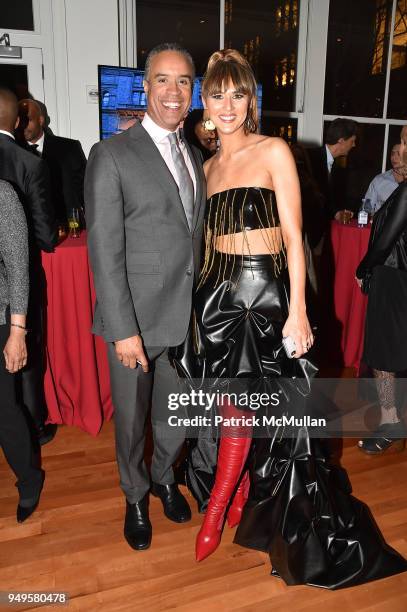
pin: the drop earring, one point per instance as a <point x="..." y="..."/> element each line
<point x="208" y="125"/>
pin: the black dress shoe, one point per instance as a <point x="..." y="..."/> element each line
<point x="175" y="505"/>
<point x="137" y="526"/>
<point x="46" y="433"/>
<point x="386" y="436"/>
<point x="29" y="506"/>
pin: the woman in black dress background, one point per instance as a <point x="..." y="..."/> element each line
<point x="383" y="274"/>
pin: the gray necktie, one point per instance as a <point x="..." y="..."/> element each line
<point x="186" y="186"/>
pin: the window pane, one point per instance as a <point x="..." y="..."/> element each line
<point x="17" y="15"/>
<point x="193" y="25"/>
<point x="266" y="32"/>
<point x="363" y="162"/>
<point x="358" y="39"/>
<point x="397" y="105"/>
<point x="15" y="77"/>
<point x="285" y="127"/>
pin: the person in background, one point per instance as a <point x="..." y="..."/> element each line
<point x="382" y="274"/>
<point x="383" y="185"/>
<point x="15" y="438"/>
<point x="47" y="118"/>
<point x="64" y="157"/>
<point x="313" y="216"/>
<point x="30" y="178"/>
<point x="330" y="176"/>
<point x="197" y="133"/>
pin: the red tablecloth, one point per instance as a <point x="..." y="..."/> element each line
<point x="349" y="245"/>
<point x="77" y="384"/>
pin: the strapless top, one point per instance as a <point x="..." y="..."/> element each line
<point x="237" y="211"/>
<point x="242" y="209"/>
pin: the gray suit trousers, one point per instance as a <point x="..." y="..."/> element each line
<point x="133" y="392"/>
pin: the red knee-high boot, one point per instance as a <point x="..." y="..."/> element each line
<point x="231" y="459"/>
<point x="240" y="498"/>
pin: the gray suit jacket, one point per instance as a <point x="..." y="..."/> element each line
<point x="13" y="254"/>
<point x="143" y="255"/>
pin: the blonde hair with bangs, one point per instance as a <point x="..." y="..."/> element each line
<point x="229" y="66"/>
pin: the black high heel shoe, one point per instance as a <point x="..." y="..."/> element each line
<point x="388" y="435"/>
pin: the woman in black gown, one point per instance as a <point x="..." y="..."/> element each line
<point x="299" y="508"/>
<point x="383" y="275"/>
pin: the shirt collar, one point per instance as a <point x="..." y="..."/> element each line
<point x="157" y="133"/>
<point x="329" y="157"/>
<point x="39" y="143"/>
<point x="7" y="134"/>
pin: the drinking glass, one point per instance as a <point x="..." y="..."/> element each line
<point x="74" y="224"/>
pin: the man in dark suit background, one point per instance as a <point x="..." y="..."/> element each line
<point x="330" y="176"/>
<point x="29" y="177"/>
<point x="64" y="157"/>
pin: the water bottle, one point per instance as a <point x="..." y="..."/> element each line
<point x="363" y="216"/>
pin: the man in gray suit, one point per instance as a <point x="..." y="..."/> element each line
<point x="144" y="192"/>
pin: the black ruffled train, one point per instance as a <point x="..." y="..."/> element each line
<point x="300" y="509"/>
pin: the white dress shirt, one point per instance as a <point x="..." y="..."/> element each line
<point x="159" y="136"/>
<point x="7" y="134"/>
<point x="39" y="143"/>
<point x="329" y="159"/>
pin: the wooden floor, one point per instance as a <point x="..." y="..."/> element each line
<point x="74" y="543"/>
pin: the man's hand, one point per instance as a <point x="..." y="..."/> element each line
<point x="130" y="352"/>
<point x="344" y="216"/>
<point x="401" y="173"/>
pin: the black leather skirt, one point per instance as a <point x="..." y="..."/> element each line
<point x="300" y="509"/>
<point x="236" y="329"/>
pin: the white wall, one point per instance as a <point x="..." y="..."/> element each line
<point x="91" y="39"/>
<point x="71" y="38"/>
<point x="310" y="126"/>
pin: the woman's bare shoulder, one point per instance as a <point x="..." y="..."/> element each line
<point x="273" y="148"/>
<point x="275" y="144"/>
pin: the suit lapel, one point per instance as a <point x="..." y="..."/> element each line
<point x="156" y="166"/>
<point x="199" y="183"/>
<point x="7" y="138"/>
<point x="45" y="148"/>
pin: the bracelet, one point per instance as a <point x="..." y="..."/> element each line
<point x="19" y="326"/>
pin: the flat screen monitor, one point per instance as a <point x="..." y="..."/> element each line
<point x="122" y="100"/>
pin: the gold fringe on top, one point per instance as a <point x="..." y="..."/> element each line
<point x="220" y="221"/>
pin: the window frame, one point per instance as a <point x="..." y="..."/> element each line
<point x="384" y="120"/>
<point x="37" y="24"/>
<point x="311" y="68"/>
